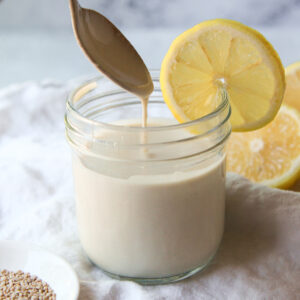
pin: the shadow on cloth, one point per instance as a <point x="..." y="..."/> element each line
<point x="257" y="228"/>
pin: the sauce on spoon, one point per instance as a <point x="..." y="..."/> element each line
<point x="109" y="50"/>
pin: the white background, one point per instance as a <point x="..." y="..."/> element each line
<point x="36" y="39"/>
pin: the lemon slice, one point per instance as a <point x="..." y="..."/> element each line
<point x="229" y="54"/>
<point x="292" y="91"/>
<point x="270" y="155"/>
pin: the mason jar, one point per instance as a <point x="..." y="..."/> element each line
<point x="149" y="201"/>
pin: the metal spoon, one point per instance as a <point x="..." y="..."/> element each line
<point x="110" y="51"/>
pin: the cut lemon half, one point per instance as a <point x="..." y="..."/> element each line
<point x="270" y="155"/>
<point x="223" y="53"/>
<point x="292" y="91"/>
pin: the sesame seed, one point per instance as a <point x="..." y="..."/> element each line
<point x="19" y="285"/>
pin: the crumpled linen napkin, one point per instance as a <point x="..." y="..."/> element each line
<point x="260" y="254"/>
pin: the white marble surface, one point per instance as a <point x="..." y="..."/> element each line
<point x="27" y="55"/>
<point x="152" y="13"/>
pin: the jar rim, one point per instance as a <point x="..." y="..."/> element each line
<point x="155" y="76"/>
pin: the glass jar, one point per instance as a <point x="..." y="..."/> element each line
<point x="149" y="201"/>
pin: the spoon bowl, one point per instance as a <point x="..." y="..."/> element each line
<point x="110" y="51"/>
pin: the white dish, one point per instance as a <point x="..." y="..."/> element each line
<point x="47" y="266"/>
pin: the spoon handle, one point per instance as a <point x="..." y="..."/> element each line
<point x="74" y="6"/>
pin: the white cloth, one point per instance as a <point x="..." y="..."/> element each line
<point x="260" y="254"/>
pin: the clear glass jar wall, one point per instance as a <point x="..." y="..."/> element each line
<point x="149" y="201"/>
